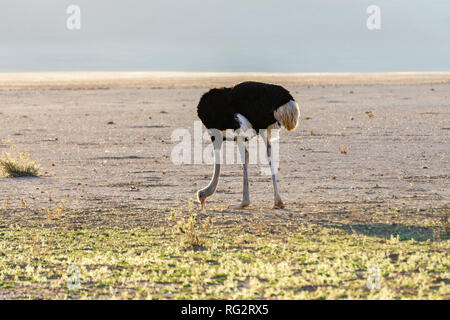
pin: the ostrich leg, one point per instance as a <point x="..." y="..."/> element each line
<point x="278" y="204"/>
<point x="245" y="190"/>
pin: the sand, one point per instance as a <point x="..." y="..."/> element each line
<point x="104" y="141"/>
<point x="173" y="80"/>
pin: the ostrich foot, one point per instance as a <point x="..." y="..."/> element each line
<point x="242" y="205"/>
<point x="278" y="204"/>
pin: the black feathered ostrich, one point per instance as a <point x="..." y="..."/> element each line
<point x="248" y="105"/>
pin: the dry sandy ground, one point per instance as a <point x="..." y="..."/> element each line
<point x="397" y="158"/>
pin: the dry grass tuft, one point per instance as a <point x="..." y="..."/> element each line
<point x="18" y="164"/>
<point x="57" y="212"/>
<point x="314" y="132"/>
<point x="195" y="232"/>
<point x="343" y="149"/>
<point x="369" y="114"/>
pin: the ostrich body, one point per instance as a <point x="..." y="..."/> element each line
<point x="248" y="105"/>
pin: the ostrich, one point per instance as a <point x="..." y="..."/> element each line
<point x="248" y="105"/>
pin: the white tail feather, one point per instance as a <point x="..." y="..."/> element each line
<point x="288" y="115"/>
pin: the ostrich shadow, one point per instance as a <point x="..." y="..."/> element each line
<point x="404" y="232"/>
<point x="25" y="178"/>
<point x="234" y="212"/>
<point x="338" y="219"/>
<point x="388" y="231"/>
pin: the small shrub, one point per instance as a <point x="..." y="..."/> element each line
<point x="369" y="114"/>
<point x="57" y="212"/>
<point x="195" y="233"/>
<point x="343" y="149"/>
<point x="18" y="164"/>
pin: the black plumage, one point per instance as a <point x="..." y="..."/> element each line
<point x="256" y="101"/>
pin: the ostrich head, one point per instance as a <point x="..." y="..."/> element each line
<point x="201" y="197"/>
<point x="288" y="115"/>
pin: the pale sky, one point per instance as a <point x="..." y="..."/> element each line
<point x="225" y="35"/>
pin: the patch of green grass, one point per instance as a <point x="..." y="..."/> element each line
<point x="308" y="262"/>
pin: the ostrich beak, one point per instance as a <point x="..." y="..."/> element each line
<point x="203" y="201"/>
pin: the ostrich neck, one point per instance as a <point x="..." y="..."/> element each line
<point x="211" y="187"/>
